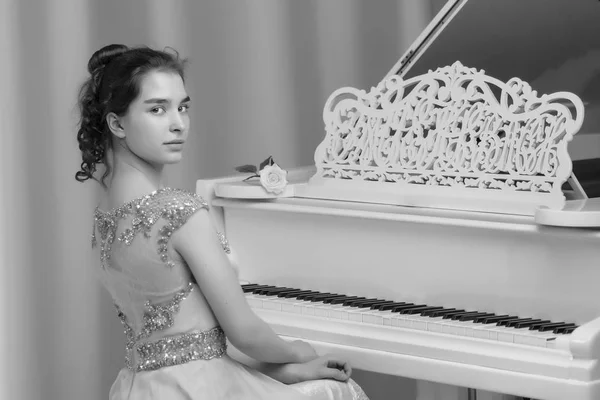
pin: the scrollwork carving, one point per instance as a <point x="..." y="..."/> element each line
<point x="455" y="127"/>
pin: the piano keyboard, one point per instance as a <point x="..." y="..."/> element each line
<point x="476" y="324"/>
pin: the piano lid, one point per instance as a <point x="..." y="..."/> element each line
<point x="477" y="115"/>
<point x="554" y="45"/>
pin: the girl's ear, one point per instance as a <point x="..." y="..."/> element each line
<point x="114" y="124"/>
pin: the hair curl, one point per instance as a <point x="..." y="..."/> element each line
<point x="116" y="72"/>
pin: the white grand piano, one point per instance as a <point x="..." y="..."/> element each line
<point x="446" y="232"/>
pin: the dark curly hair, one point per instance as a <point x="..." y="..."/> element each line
<point x="116" y="72"/>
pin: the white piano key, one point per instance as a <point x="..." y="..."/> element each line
<point x="387" y="318"/>
<point x="485" y="331"/>
<point x="355" y="315"/>
<point x="377" y="317"/>
<point x="339" y="312"/>
<point x="534" y="338"/>
<point x="420" y="322"/>
<point x="400" y="321"/>
<point x="292" y="306"/>
<point x="321" y="310"/>
<point x="373" y="317"/>
<point x="560" y="343"/>
<point x="254" y="301"/>
<point x="416" y="322"/>
<point x="308" y="308"/>
<point x="452" y="327"/>
<point x="397" y="321"/>
<point x="506" y="334"/>
<point x="491" y="332"/>
<point x="419" y="325"/>
<point x="288" y="305"/>
<point x="436" y="324"/>
<point x="500" y="333"/>
<point x="459" y="328"/>
<point x="272" y="304"/>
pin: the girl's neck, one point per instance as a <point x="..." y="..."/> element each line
<point x="128" y="184"/>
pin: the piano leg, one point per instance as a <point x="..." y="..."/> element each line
<point x="438" y="391"/>
<point x="485" y="395"/>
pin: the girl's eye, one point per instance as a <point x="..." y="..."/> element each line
<point x="184" y="107"/>
<point x="157" y="110"/>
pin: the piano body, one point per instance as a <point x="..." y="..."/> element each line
<point x="446" y="233"/>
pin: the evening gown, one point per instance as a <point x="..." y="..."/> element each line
<point x="170" y="352"/>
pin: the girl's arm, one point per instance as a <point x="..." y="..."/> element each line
<point x="325" y="367"/>
<point x="198" y="244"/>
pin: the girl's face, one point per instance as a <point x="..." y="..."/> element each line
<point x="157" y="123"/>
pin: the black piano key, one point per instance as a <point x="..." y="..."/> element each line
<point x="560" y="329"/>
<point x="494" y="319"/>
<point x="439" y="313"/>
<point x="413" y="309"/>
<point x="452" y="314"/>
<point x="303" y="296"/>
<point x="410" y="308"/>
<point x="293" y="291"/>
<point x="308" y="295"/>
<point x="294" y="295"/>
<point x="271" y="291"/>
<point x="320" y="295"/>
<point x="569" y="329"/>
<point x="446" y="314"/>
<point x="374" y="304"/>
<point x="317" y="295"/>
<point x="250" y="288"/>
<point x="420" y="310"/>
<point x="377" y="306"/>
<point x="565" y="329"/>
<point x="456" y="316"/>
<point x="388" y="307"/>
<point x="339" y="300"/>
<point x="374" y="301"/>
<point x="425" y="312"/>
<point x="352" y="301"/>
<point x="328" y="300"/>
<point x="288" y="290"/>
<point x="403" y="307"/>
<point x="321" y="298"/>
<point x="260" y="289"/>
<point x="343" y="300"/>
<point x="471" y="317"/>
<point x="284" y="290"/>
<point x="535" y="326"/>
<point x="553" y="326"/>
<point x="512" y="323"/>
<point x="364" y="303"/>
<point x="527" y="324"/>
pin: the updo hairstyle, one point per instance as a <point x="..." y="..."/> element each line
<point x="116" y="72"/>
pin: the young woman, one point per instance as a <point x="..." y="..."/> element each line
<point x="162" y="260"/>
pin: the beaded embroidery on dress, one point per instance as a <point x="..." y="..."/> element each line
<point x="170" y="351"/>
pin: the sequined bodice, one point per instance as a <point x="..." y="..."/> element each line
<point x="149" y="281"/>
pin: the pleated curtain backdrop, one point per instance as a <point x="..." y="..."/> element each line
<point x="259" y="74"/>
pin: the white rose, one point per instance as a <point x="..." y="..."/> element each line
<point x="273" y="178"/>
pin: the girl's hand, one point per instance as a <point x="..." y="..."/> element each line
<point x="304" y="351"/>
<point x="325" y="367"/>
